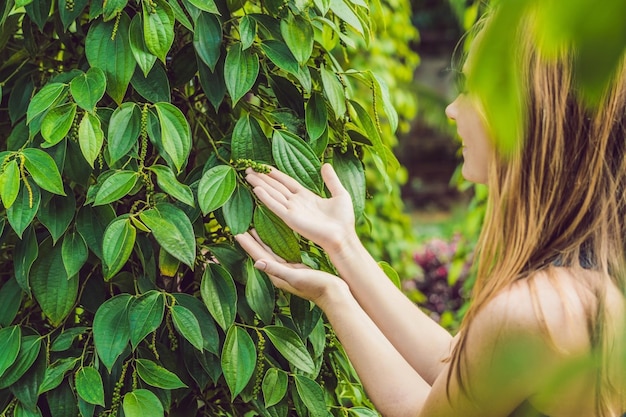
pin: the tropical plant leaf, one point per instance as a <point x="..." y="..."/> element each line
<point x="145" y="315"/>
<point x="175" y="133"/>
<point x="144" y="58"/>
<point x="141" y="403"/>
<point x="298" y="35"/>
<point x="157" y="376"/>
<point x="187" y="325"/>
<point x="45" y="98"/>
<point x="57" y="123"/>
<point x="168" y="183"/>
<point x="274" y="386"/>
<point x="115" y="187"/>
<point x="87" y="89"/>
<point x="219" y="294"/>
<point x="44" y="170"/>
<point x="10" y="339"/>
<point x="124" y="129"/>
<point x="296" y="158"/>
<point x="10" y="183"/>
<point x="259" y="292"/>
<point x="90" y="137"/>
<point x="215" y="188"/>
<point x="23" y="210"/>
<point x="158" y="27"/>
<point x="311" y="395"/>
<point x="241" y="70"/>
<point x="89" y="386"/>
<point x="276" y="234"/>
<point x="291" y="347"/>
<point x="119" y="240"/>
<point x="111" y="329"/>
<point x="238" y="210"/>
<point x="207" y="39"/>
<point x="238" y="359"/>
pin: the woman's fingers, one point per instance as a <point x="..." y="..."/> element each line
<point x="332" y="180"/>
<point x="269" y="250"/>
<point x="250" y="245"/>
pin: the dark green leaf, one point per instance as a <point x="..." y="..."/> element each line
<point x="145" y="315"/>
<point x="219" y="294"/>
<point x="274" y="386"/>
<point x="88" y="88"/>
<point x="20" y="98"/>
<point x="316" y="116"/>
<point x="169" y="184"/>
<point x="240" y="71"/>
<point x="249" y="141"/>
<point x="115" y="187"/>
<point x="10" y="340"/>
<point x="298" y="35"/>
<point x="74" y="251"/>
<point x="259" y="292"/>
<point x="57" y="123"/>
<point x="215" y="187"/>
<point x="210" y="336"/>
<point x="142" y="403"/>
<point x="238" y="359"/>
<point x="89" y="385"/>
<point x="187" y="325"/>
<point x="124" y="129"/>
<point x="23" y="211"/>
<point x="10" y="300"/>
<point x="175" y="133"/>
<point x="276" y="234"/>
<point x="158" y="27"/>
<point x="291" y="347"/>
<point x="119" y="240"/>
<point x="55" y="373"/>
<point x="207" y="39"/>
<point x="111" y="330"/>
<point x="157" y="376"/>
<point x="238" y="210"/>
<point x="352" y="175"/>
<point x="145" y="59"/>
<point x="56" y="213"/>
<point x="91" y="223"/>
<point x="64" y="340"/>
<point x="206" y="5"/>
<point x="112" y="7"/>
<point x="26" y="251"/>
<point x="296" y="158"/>
<point x="213" y="82"/>
<point x="154" y="87"/>
<point x="69" y="14"/>
<point x="304" y="315"/>
<point x="44" y="171"/>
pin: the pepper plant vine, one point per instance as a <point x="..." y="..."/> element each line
<point x="127" y="125"/>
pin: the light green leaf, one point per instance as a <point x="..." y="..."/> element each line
<point x="240" y="71"/>
<point x="142" y="403"/>
<point x="145" y="59"/>
<point x="316" y="116"/>
<point x="238" y="359"/>
<point x="291" y="347"/>
<point x="169" y="184"/>
<point x="22" y="212"/>
<point x="55" y="373"/>
<point x="30" y="346"/>
<point x="88" y="88"/>
<point x="10" y="339"/>
<point x="64" y="340"/>
<point x="44" y="99"/>
<point x="54" y="291"/>
<point x="89" y="386"/>
<point x="343" y="11"/>
<point x="278" y="52"/>
<point x="115" y="187"/>
<point x="259" y="293"/>
<point x="145" y="315"/>
<point x="158" y="27"/>
<point x="311" y="395"/>
<point x="44" y="170"/>
<point x="22" y="411"/>
<point x="296" y="158"/>
<point x="10" y="183"/>
<point x="238" y="210"/>
<point x="157" y="376"/>
<point x="124" y="129"/>
<point x="276" y="234"/>
<point x="352" y="175"/>
<point x="274" y="386"/>
<point x="334" y="92"/>
<point x="119" y="240"/>
<point x="111" y="330"/>
<point x="215" y="188"/>
<point x="187" y="325"/>
<point x="247" y="31"/>
<point x="172" y="230"/>
<point x="298" y="35"/>
<point x="207" y="39"/>
<point x="206" y="5"/>
<point x="90" y="137"/>
<point x="57" y="123"/>
<point x="175" y="133"/>
<point x="219" y="294"/>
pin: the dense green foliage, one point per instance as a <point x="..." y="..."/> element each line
<point x="125" y="127"/>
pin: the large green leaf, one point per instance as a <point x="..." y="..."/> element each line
<point x="10" y="339"/>
<point x="278" y="52"/>
<point x="57" y="123"/>
<point x="352" y="175"/>
<point x="157" y="376"/>
<point x="158" y="27"/>
<point x="23" y="211"/>
<point x="312" y="395"/>
<point x="89" y="386"/>
<point x="145" y="315"/>
<point x="259" y="292"/>
<point x="111" y="53"/>
<point x="238" y="359"/>
<point x="74" y="251"/>
<point x="169" y="184"/>
<point x="334" y="92"/>
<point x="207" y="39"/>
<point x="238" y="210"/>
<point x="69" y="14"/>
<point x="90" y="137"/>
<point x="119" y="240"/>
<point x="50" y="94"/>
<point x="210" y="336"/>
<point x="26" y="251"/>
<point x="215" y="188"/>
<point x="175" y="133"/>
<point x="30" y="346"/>
<point x="154" y="87"/>
<point x="274" y="386"/>
<point x="172" y="230"/>
<point x="115" y="187"/>
<point x="10" y="300"/>
<point x="213" y="82"/>
<point x="142" y="403"/>
<point x="187" y="325"/>
<point x="56" y="213"/>
<point x="10" y="183"/>
<point x="145" y="59"/>
<point x="219" y="294"/>
<point x="289" y="344"/>
<point x="111" y="330"/>
<point x="240" y="71"/>
<point x="249" y="141"/>
<point x="298" y="35"/>
<point x="87" y="89"/>
<point x="124" y="129"/>
<point x="276" y="234"/>
<point x="316" y="116"/>
<point x="54" y="291"/>
<point x="43" y="169"/>
<point x="296" y="158"/>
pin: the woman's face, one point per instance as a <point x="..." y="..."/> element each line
<point x="477" y="145"/>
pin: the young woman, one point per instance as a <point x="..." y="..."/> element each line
<point x="544" y="333"/>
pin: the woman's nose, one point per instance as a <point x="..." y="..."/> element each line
<point x="451" y="109"/>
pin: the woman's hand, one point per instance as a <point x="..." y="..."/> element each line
<point x="325" y="221"/>
<point x="297" y="279"/>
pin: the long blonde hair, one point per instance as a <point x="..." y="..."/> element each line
<point x="561" y="198"/>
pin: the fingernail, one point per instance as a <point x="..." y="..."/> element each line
<point x="260" y="265"/>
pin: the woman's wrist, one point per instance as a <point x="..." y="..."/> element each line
<point x="335" y="295"/>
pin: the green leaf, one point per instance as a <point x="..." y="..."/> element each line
<point x="210" y="337"/>
<point x="145" y="59"/>
<point x="206" y="5"/>
<point x="69" y="15"/>
<point x="259" y="293"/>
<point x="88" y="88"/>
<point x="343" y="11"/>
<point x="291" y="347"/>
<point x="22" y="212"/>
<point x="56" y="213"/>
<point x="276" y="234"/>
<point x="154" y="87"/>
<point x="10" y="300"/>
<point x="238" y="359"/>
<point x="311" y="395"/>
<point x="215" y="188"/>
<point x="180" y="15"/>
<point x="111" y="330"/>
<point x="119" y="240"/>
<point x="89" y="385"/>
<point x="64" y="340"/>
<point x="91" y="223"/>
<point x="187" y="325"/>
<point x="158" y="27"/>
<point x="304" y="315"/>
<point x="207" y="39"/>
<point x="238" y="210"/>
<point x="169" y="184"/>
<point x="145" y="315"/>
<point x="55" y="373"/>
<point x="74" y="253"/>
<point x="362" y="412"/>
<point x="57" y="123"/>
<point x="278" y="52"/>
<point x="112" y="54"/>
<point x="112" y="7"/>
<point x="142" y="403"/>
<point x="316" y="116"/>
<point x="124" y="129"/>
<point x="90" y="137"/>
<point x="352" y="176"/>
<point x="274" y="386"/>
<point x="175" y="133"/>
<point x="50" y="94"/>
<point x="249" y="141"/>
<point x="115" y="187"/>
<point x="172" y="230"/>
<point x="247" y="31"/>
<point x="240" y="71"/>
<point x="10" y="183"/>
<point x="298" y="35"/>
<point x="10" y="339"/>
<point x="219" y="294"/>
<point x="213" y="82"/>
<point x="30" y="347"/>
<point x="391" y="273"/>
<point x="157" y="376"/>
<point x="54" y="291"/>
<point x="334" y="92"/>
<point x="44" y="170"/>
<point x="26" y="251"/>
<point x="296" y="158"/>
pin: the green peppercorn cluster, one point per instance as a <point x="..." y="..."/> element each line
<point x="69" y="5"/>
<point x="260" y="365"/>
<point x="249" y="163"/>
